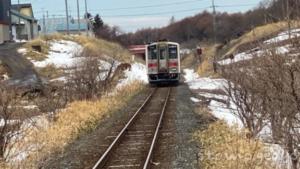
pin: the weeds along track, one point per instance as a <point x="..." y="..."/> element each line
<point x="134" y="145"/>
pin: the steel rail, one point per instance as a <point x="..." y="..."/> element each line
<point x="155" y="138"/>
<point x="101" y="162"/>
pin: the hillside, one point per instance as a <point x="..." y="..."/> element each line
<point x="262" y="38"/>
<point x="257" y="90"/>
<point x="84" y="81"/>
<point x="54" y="55"/>
<point x="254" y="38"/>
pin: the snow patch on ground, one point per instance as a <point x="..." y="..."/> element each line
<point x="20" y="152"/>
<point x="258" y="52"/>
<point x="195" y="100"/>
<point x="227" y="113"/>
<point x="185" y="51"/>
<point x="195" y="82"/>
<point x="22" y="51"/>
<point x="284" y="36"/>
<point x="61" y="54"/>
<point x="219" y="110"/>
<point x="248" y="55"/>
<point x="138" y="72"/>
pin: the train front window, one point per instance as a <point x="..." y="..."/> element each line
<point x="152" y="52"/>
<point x="163" y="53"/>
<point x="173" y="52"/>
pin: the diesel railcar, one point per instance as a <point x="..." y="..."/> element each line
<point x="163" y="62"/>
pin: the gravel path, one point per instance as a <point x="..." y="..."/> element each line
<point x="187" y="122"/>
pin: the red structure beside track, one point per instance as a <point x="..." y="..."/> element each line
<point x="138" y="50"/>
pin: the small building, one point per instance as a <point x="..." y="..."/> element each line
<point x="58" y="25"/>
<point x="74" y="28"/>
<point x="4" y="20"/>
<point x="23" y="24"/>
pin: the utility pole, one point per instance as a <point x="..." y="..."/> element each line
<point x="47" y="22"/>
<point x="67" y="15"/>
<point x="86" y="18"/>
<point x="19" y="8"/>
<point x="78" y="16"/>
<point x="8" y="13"/>
<point x="44" y="23"/>
<point x="288" y="16"/>
<point x="214" y="20"/>
<point x="215" y="32"/>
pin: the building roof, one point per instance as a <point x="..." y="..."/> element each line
<point x="18" y="14"/>
<point x="19" y="6"/>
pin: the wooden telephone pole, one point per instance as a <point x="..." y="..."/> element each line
<point x="86" y="18"/>
<point x="215" y="34"/>
<point x="67" y="16"/>
<point x="78" y="17"/>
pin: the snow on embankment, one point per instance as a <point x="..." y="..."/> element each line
<point x="270" y="45"/>
<point x="138" y="72"/>
<point x="205" y="88"/>
<point x="61" y="54"/>
<point x="219" y="110"/>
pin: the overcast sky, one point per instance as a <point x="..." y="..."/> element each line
<point x="131" y="15"/>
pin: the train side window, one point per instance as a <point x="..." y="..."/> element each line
<point x="152" y="52"/>
<point x="173" y="52"/>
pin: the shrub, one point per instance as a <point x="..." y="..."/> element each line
<point x="227" y="147"/>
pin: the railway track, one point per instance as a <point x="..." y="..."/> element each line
<point x="133" y="147"/>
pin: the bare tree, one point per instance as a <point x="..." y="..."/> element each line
<point x="90" y="77"/>
<point x="241" y="90"/>
<point x="9" y="119"/>
<point x="266" y="92"/>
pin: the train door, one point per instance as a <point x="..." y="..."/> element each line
<point x="163" y="59"/>
<point x="152" y="59"/>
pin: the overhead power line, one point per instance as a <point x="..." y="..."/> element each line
<point x="142" y="7"/>
<point x="161" y="13"/>
<point x="158" y="13"/>
<point x="234" y="5"/>
<point x="152" y="6"/>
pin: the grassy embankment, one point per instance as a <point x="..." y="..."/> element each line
<point x="77" y="118"/>
<point x="253" y="37"/>
<point x="93" y="45"/>
<point x="229" y="148"/>
<point x="226" y="147"/>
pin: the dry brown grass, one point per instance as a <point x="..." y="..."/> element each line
<point x="3" y="165"/>
<point x="206" y="66"/>
<point x="35" y="55"/>
<point x="2" y="69"/>
<point x="257" y="34"/>
<point x="229" y="148"/>
<point x="95" y="45"/>
<point x="50" y="71"/>
<point x="107" y="48"/>
<point x="110" y="49"/>
<point x="76" y="119"/>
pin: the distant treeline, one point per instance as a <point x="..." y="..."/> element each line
<point x="200" y="26"/>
